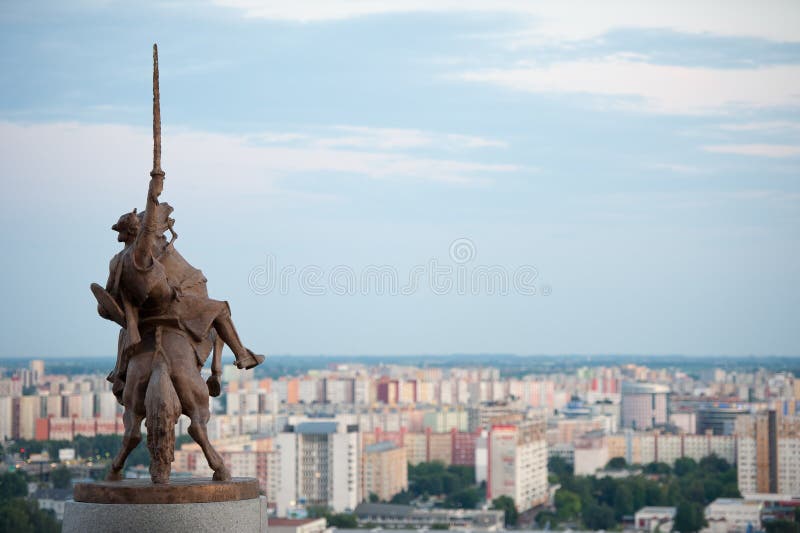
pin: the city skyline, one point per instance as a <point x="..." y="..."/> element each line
<point x="640" y="163"/>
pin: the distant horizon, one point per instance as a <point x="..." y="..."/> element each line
<point x="445" y="355"/>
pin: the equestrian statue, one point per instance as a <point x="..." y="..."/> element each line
<point x="169" y="327"/>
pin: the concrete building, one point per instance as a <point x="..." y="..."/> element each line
<point x="37" y="368"/>
<point x="6" y="418"/>
<point x="638" y="447"/>
<point x="482" y="457"/>
<point x="53" y="500"/>
<point x="399" y="516"/>
<point x="590" y="453"/>
<point x="733" y="515"/>
<point x="517" y="463"/>
<point x="296" y="525"/>
<point x="446" y="420"/>
<point x="318" y="464"/>
<point x="652" y="518"/>
<point x="768" y="453"/>
<point x="719" y="419"/>
<point x="488" y="413"/>
<point x="644" y="405"/>
<point x="384" y="471"/>
<point x="685" y="421"/>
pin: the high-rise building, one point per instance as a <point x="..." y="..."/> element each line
<point x="385" y="470"/>
<point x="644" y="405"/>
<point x="318" y="465"/>
<point x="719" y="419"/>
<point x="517" y="463"/>
<point x="768" y="453"/>
<point x="37" y="367"/>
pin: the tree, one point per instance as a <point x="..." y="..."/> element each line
<point x="561" y="468"/>
<point x="568" y="505"/>
<point x="617" y="463"/>
<point x="689" y="517"/>
<point x="623" y="502"/>
<point x="506" y="504"/>
<point x="714" y="464"/>
<point x="545" y="519"/>
<point x="464" y="499"/>
<point x="599" y="517"/>
<point x="657" y="468"/>
<point x="781" y="526"/>
<point x="374" y="498"/>
<point x="61" y="477"/>
<point x="318" y="511"/>
<point x="13" y="485"/>
<point x="343" y="521"/>
<point x="685" y="466"/>
<point x="24" y="516"/>
<point x="402" y="498"/>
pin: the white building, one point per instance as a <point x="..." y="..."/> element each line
<point x="318" y="464"/>
<point x="652" y="518"/>
<point x="644" y="405"/>
<point x="517" y="464"/>
<point x="733" y="515"/>
<point x="53" y="500"/>
<point x="297" y="525"/>
<point x="590" y="453"/>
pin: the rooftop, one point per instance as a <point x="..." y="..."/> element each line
<point x="305" y="428"/>
<point x="383" y="509"/>
<point x="383" y="446"/>
<point x="291" y="521"/>
<point x="657" y="510"/>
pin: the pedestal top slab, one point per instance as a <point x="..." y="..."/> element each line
<point x="194" y="490"/>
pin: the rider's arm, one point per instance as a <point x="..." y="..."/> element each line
<point x="145" y="239"/>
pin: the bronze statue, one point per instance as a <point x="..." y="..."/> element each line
<point x="169" y="327"/>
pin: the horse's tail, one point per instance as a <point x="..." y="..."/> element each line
<point x="162" y="408"/>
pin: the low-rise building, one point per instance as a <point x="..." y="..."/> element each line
<point x="53" y="500"/>
<point x="652" y="518"/>
<point x="394" y="516"/>
<point x="296" y="525"/>
<point x="733" y="515"/>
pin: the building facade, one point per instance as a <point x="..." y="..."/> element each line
<point x="517" y="463"/>
<point x="644" y="405"/>
<point x="318" y="464"/>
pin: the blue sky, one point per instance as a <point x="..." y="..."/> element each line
<point x="643" y="157"/>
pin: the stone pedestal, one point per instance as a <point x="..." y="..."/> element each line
<point x="192" y="506"/>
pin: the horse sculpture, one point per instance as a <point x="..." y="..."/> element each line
<point x="169" y="326"/>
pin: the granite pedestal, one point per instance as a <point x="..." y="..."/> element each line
<point x="192" y="506"/>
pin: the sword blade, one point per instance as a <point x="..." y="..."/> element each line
<point x="156" y="115"/>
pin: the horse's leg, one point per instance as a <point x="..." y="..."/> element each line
<point x="133" y="400"/>
<point x="131" y="439"/>
<point x="193" y="392"/>
<point x="199" y="432"/>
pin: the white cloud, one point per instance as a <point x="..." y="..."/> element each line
<point x="654" y="88"/>
<point x="371" y="138"/>
<point x="675" y="168"/>
<point x="762" y="150"/>
<point x="565" y="20"/>
<point x="67" y="160"/>
<point x="403" y="139"/>
<point x="773" y="126"/>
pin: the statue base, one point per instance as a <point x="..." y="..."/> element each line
<point x="191" y="505"/>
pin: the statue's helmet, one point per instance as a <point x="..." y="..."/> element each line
<point x="129" y="222"/>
